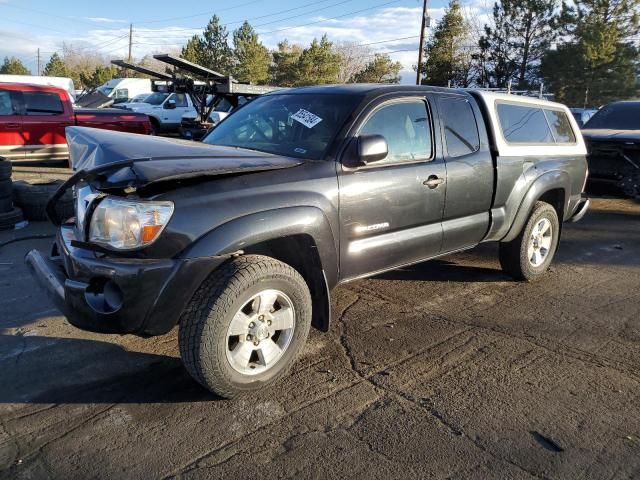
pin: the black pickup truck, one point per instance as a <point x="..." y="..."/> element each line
<point x="240" y="239"/>
<point x="613" y="143"/>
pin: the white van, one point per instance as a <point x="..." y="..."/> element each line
<point x="122" y="90"/>
<point x="61" y="82"/>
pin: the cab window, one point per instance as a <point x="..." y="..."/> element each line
<point x="42" y="103"/>
<point x="406" y="127"/>
<point x="460" y="128"/>
<point x="6" y="105"/>
<point x="180" y="99"/>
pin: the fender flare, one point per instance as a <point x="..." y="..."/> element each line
<point x="546" y="182"/>
<point x="243" y="232"/>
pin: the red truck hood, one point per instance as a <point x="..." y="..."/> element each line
<point x="126" y="159"/>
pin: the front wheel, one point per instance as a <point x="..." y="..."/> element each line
<point x="245" y="325"/>
<point x="529" y="255"/>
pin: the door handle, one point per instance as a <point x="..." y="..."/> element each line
<point x="433" y="181"/>
<point x="13" y="126"/>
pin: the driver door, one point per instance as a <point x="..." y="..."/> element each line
<point x="389" y="215"/>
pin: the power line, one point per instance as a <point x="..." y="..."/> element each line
<point x="303" y="14"/>
<point x="235" y="22"/>
<point x="208" y="12"/>
<point x="68" y="19"/>
<point x="332" y="18"/>
<point x="389" y="40"/>
<point x="97" y="46"/>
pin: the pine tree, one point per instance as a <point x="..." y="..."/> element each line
<point x="600" y="63"/>
<point x="318" y="64"/>
<point x="380" y="70"/>
<point x="447" y="53"/>
<point x="13" y="66"/>
<point x="284" y="69"/>
<point x="252" y="59"/>
<point x="522" y="32"/>
<point x="216" y="53"/>
<point x="193" y="50"/>
<point x="56" y="67"/>
<point x="99" y="76"/>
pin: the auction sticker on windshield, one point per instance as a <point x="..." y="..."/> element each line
<point x="306" y="118"/>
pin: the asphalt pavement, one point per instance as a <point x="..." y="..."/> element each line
<point x="447" y="369"/>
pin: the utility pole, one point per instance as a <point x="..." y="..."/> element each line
<point x="130" y="40"/>
<point x="424" y="24"/>
<point x="38" y="61"/>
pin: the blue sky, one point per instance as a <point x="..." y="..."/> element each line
<point x="390" y="26"/>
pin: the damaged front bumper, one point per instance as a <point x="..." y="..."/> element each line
<point x="117" y="295"/>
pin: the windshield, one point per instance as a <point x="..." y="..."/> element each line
<point x="105" y="90"/>
<point x="156" y="98"/>
<point x="295" y="125"/>
<point x="616" y="116"/>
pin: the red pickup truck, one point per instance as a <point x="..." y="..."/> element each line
<point x="33" y="119"/>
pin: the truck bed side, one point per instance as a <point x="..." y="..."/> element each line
<point x="112" y="119"/>
<point x="525" y="173"/>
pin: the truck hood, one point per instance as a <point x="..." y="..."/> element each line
<point x="606" y="135"/>
<point x="122" y="160"/>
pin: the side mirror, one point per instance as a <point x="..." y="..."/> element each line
<point x="170" y="105"/>
<point x="372" y="148"/>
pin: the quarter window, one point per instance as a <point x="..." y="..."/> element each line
<point x="523" y="124"/>
<point x="460" y="128"/>
<point x="42" y="103"/>
<point x="405" y="126"/>
<point x="560" y="126"/>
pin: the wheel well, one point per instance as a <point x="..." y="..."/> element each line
<point x="301" y="253"/>
<point x="556" y="199"/>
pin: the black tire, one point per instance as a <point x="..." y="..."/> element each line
<point x="155" y="126"/>
<point x="6" y="186"/>
<point x="9" y="219"/>
<point x="6" y="203"/>
<point x="33" y="199"/>
<point x="5" y="169"/>
<point x="514" y="257"/>
<point x="205" y="322"/>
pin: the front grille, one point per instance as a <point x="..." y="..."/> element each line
<point x="611" y="160"/>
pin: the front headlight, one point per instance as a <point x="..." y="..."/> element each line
<point x="128" y="224"/>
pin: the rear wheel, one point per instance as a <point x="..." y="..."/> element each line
<point x="529" y="255"/>
<point x="245" y="326"/>
<point x="155" y="126"/>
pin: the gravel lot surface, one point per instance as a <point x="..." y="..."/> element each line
<point x="443" y="370"/>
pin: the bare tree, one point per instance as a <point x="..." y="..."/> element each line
<point x="353" y="59"/>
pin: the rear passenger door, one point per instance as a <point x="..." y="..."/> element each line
<point x="11" y="137"/>
<point x="470" y="172"/>
<point x="389" y="215"/>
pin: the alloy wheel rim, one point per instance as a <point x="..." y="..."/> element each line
<point x="260" y="332"/>
<point x="540" y="242"/>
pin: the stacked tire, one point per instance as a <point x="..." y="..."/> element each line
<point x="33" y="197"/>
<point x="10" y="215"/>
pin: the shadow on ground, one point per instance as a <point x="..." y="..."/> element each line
<point x="71" y="370"/>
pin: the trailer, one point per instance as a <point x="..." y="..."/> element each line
<point x="206" y="88"/>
